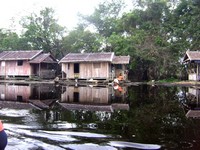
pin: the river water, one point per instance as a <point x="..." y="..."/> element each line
<point x="49" y="117"/>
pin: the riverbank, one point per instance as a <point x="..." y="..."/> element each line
<point x="176" y="83"/>
<point x="99" y="83"/>
<point x="22" y="81"/>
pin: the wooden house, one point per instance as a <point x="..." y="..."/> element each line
<point x="103" y="65"/>
<point x="27" y="64"/>
<point x="192" y="60"/>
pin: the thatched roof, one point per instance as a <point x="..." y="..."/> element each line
<point x="19" y="55"/>
<point x="191" y="56"/>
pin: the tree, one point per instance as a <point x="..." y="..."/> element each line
<point x="11" y="41"/>
<point x="185" y="26"/>
<point x="43" y="32"/>
<point x="105" y="17"/>
<point x="81" y="39"/>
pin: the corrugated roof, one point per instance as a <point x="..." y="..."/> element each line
<point x="121" y="60"/>
<point x="88" y="57"/>
<point x="45" y="58"/>
<point x="19" y="55"/>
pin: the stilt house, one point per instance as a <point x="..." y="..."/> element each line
<point x="27" y="64"/>
<point x="192" y="61"/>
<point x="94" y="66"/>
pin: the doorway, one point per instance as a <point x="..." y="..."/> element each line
<point x="76" y="68"/>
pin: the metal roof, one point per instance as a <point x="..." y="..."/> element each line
<point x="88" y="57"/>
<point x="45" y="58"/>
<point x="191" y="56"/>
<point x="19" y="55"/>
<point x="121" y="60"/>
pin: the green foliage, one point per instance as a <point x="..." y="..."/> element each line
<point x="81" y="39"/>
<point x="105" y="17"/>
<point x="11" y="41"/>
<point x="168" y="80"/>
<point x="43" y="32"/>
<point x="155" y="34"/>
<point x="187" y="24"/>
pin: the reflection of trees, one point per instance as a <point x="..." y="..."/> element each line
<point x="157" y="116"/>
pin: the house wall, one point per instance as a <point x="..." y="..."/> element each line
<point x="11" y="68"/>
<point x="93" y="70"/>
<point x="192" y="77"/>
<point x="194" y="72"/>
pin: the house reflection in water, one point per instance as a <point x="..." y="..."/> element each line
<point x="27" y="93"/>
<point x="193" y="103"/>
<point x="43" y="92"/>
<point x="12" y="92"/>
<point x="44" y="96"/>
<point x="93" y="98"/>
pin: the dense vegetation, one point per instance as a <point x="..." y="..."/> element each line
<point x="156" y="34"/>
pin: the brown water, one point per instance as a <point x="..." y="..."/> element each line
<point x="66" y="117"/>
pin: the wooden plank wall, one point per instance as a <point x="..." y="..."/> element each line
<point x="88" y="70"/>
<point x="12" y="69"/>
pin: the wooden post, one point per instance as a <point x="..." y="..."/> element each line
<point x="39" y="69"/>
<point x="197" y="76"/>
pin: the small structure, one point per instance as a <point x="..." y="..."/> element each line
<point x="97" y="66"/>
<point x="192" y="60"/>
<point x="27" y="64"/>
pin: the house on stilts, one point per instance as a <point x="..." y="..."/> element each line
<point x="29" y="63"/>
<point x="192" y="61"/>
<point x="97" y="66"/>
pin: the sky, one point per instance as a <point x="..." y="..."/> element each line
<point x="65" y="10"/>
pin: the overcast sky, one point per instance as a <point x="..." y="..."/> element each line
<point x="65" y="10"/>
